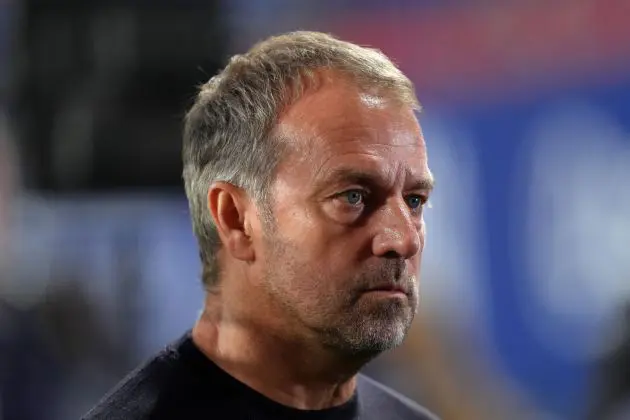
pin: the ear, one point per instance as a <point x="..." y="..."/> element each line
<point x="231" y="209"/>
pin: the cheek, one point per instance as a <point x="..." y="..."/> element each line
<point x="309" y="272"/>
<point x="304" y="284"/>
<point x="304" y="231"/>
<point x="317" y="253"/>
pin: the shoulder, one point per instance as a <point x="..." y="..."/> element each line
<point x="377" y="398"/>
<point x="134" y="397"/>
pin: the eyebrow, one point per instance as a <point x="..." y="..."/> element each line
<point x="357" y="176"/>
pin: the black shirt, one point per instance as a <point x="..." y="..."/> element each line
<point x="181" y="383"/>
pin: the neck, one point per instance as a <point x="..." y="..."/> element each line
<point x="258" y="353"/>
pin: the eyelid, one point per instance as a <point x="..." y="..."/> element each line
<point x="362" y="190"/>
<point x="423" y="196"/>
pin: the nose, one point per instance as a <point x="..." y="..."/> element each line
<point x="400" y="234"/>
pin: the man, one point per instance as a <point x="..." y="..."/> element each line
<point x="306" y="172"/>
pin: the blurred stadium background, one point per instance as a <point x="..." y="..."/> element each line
<point x="526" y="280"/>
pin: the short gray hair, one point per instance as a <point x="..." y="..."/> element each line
<point x="229" y="132"/>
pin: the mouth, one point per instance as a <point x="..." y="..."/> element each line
<point x="389" y="290"/>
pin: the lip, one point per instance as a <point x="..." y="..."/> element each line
<point x="389" y="290"/>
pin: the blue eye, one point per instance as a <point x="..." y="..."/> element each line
<point x="414" y="201"/>
<point x="354" y="197"/>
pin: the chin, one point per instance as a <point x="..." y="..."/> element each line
<point x="387" y="337"/>
<point x="373" y="338"/>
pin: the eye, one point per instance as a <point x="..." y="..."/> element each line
<point x="415" y="201"/>
<point x="353" y="197"/>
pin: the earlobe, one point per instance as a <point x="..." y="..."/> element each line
<point x="229" y="206"/>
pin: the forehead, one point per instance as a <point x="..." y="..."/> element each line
<point x="341" y="125"/>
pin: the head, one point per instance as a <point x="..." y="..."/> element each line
<point x="306" y="173"/>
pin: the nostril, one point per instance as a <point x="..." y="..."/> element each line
<point x="392" y="255"/>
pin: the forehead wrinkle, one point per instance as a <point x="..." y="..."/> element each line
<point x="377" y="167"/>
<point x="308" y="138"/>
<point x="339" y="130"/>
<point x="391" y="133"/>
<point x="325" y="166"/>
<point x="307" y="133"/>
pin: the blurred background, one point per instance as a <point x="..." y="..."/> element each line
<point x="526" y="280"/>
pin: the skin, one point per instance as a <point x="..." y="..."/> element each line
<point x="296" y="315"/>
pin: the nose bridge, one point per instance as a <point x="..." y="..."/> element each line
<point x="397" y="231"/>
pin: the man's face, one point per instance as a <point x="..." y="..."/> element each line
<point x="343" y="253"/>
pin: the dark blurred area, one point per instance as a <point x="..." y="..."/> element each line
<point x="101" y="87"/>
<point x="611" y="378"/>
<point x="527" y="120"/>
<point x="95" y="99"/>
